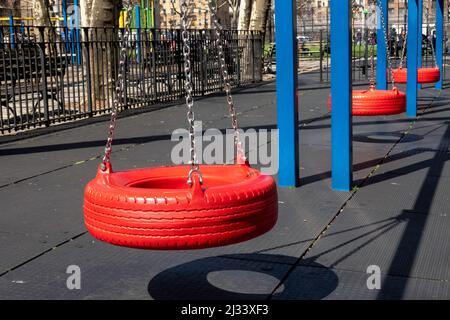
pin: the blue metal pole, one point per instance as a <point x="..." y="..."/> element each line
<point x="12" y="37"/>
<point x="419" y="36"/>
<point x="64" y="12"/>
<point x="138" y="32"/>
<point x="77" y="30"/>
<point x="341" y="95"/>
<point x="440" y="40"/>
<point x="65" y="22"/>
<point x="382" y="53"/>
<point x="73" y="34"/>
<point x="412" y="43"/>
<point x="287" y="99"/>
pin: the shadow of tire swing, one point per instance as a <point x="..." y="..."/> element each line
<point x="386" y="137"/>
<point x="243" y="277"/>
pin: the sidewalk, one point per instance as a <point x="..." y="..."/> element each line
<point x="321" y="247"/>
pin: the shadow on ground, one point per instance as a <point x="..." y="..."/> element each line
<point x="241" y="277"/>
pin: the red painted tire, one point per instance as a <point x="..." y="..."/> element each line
<point x="156" y="209"/>
<point x="376" y="102"/>
<point x="424" y="75"/>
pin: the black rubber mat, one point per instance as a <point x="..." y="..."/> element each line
<point x="41" y="221"/>
<point x="402" y="243"/>
<point x="350" y="285"/>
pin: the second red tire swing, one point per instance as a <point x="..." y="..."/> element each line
<point x="424" y="75"/>
<point x="373" y="102"/>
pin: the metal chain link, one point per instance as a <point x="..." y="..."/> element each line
<point x="433" y="52"/>
<point x="195" y="168"/>
<point x="432" y="45"/>
<point x="404" y="49"/>
<point x="372" y="63"/>
<point x="372" y="60"/>
<point x="402" y="58"/>
<point x="120" y="86"/>
<point x="385" y="26"/>
<point x="220" y="41"/>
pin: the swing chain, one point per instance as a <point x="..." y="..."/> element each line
<point x="195" y="168"/>
<point x="404" y="47"/>
<point x="432" y="39"/>
<point x="372" y="63"/>
<point x="402" y="58"/>
<point x="120" y="86"/>
<point x="220" y="41"/>
<point x="386" y="42"/>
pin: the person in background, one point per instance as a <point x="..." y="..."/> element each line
<point x="392" y="41"/>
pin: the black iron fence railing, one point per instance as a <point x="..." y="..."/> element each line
<point x="52" y="75"/>
<point x="314" y="51"/>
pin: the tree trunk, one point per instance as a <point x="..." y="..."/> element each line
<point x="253" y="18"/>
<point x="98" y="14"/>
<point x="234" y="17"/>
<point x="86" y="12"/>
<point x="258" y="17"/>
<point x="41" y="13"/>
<point x="245" y="10"/>
<point x="234" y="12"/>
<point x="42" y="19"/>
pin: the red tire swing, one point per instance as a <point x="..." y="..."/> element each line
<point x="424" y="75"/>
<point x="179" y="207"/>
<point x="373" y="102"/>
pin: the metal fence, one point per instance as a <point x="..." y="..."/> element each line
<point x="52" y="75"/>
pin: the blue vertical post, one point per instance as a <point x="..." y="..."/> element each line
<point x="440" y="40"/>
<point x="77" y="30"/>
<point x="12" y="37"/>
<point x="287" y="99"/>
<point x="341" y="95"/>
<point x="412" y="46"/>
<point x="64" y="12"/>
<point x="65" y="23"/>
<point x="419" y="36"/>
<point x="138" y="32"/>
<point x="382" y="53"/>
<point x="76" y="48"/>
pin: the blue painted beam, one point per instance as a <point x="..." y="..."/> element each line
<point x="419" y="36"/>
<point x="137" y="13"/>
<point x="287" y="99"/>
<point x="440" y="40"/>
<point x="64" y="12"/>
<point x="341" y="95"/>
<point x="12" y="32"/>
<point x="412" y="43"/>
<point x="382" y="82"/>
<point x="65" y="22"/>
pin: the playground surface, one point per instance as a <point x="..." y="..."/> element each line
<point x="396" y="218"/>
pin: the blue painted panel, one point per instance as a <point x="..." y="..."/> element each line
<point x="341" y="93"/>
<point x="412" y="43"/>
<point x="287" y="100"/>
<point x="440" y="39"/>
<point x="419" y="36"/>
<point x="381" y="45"/>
